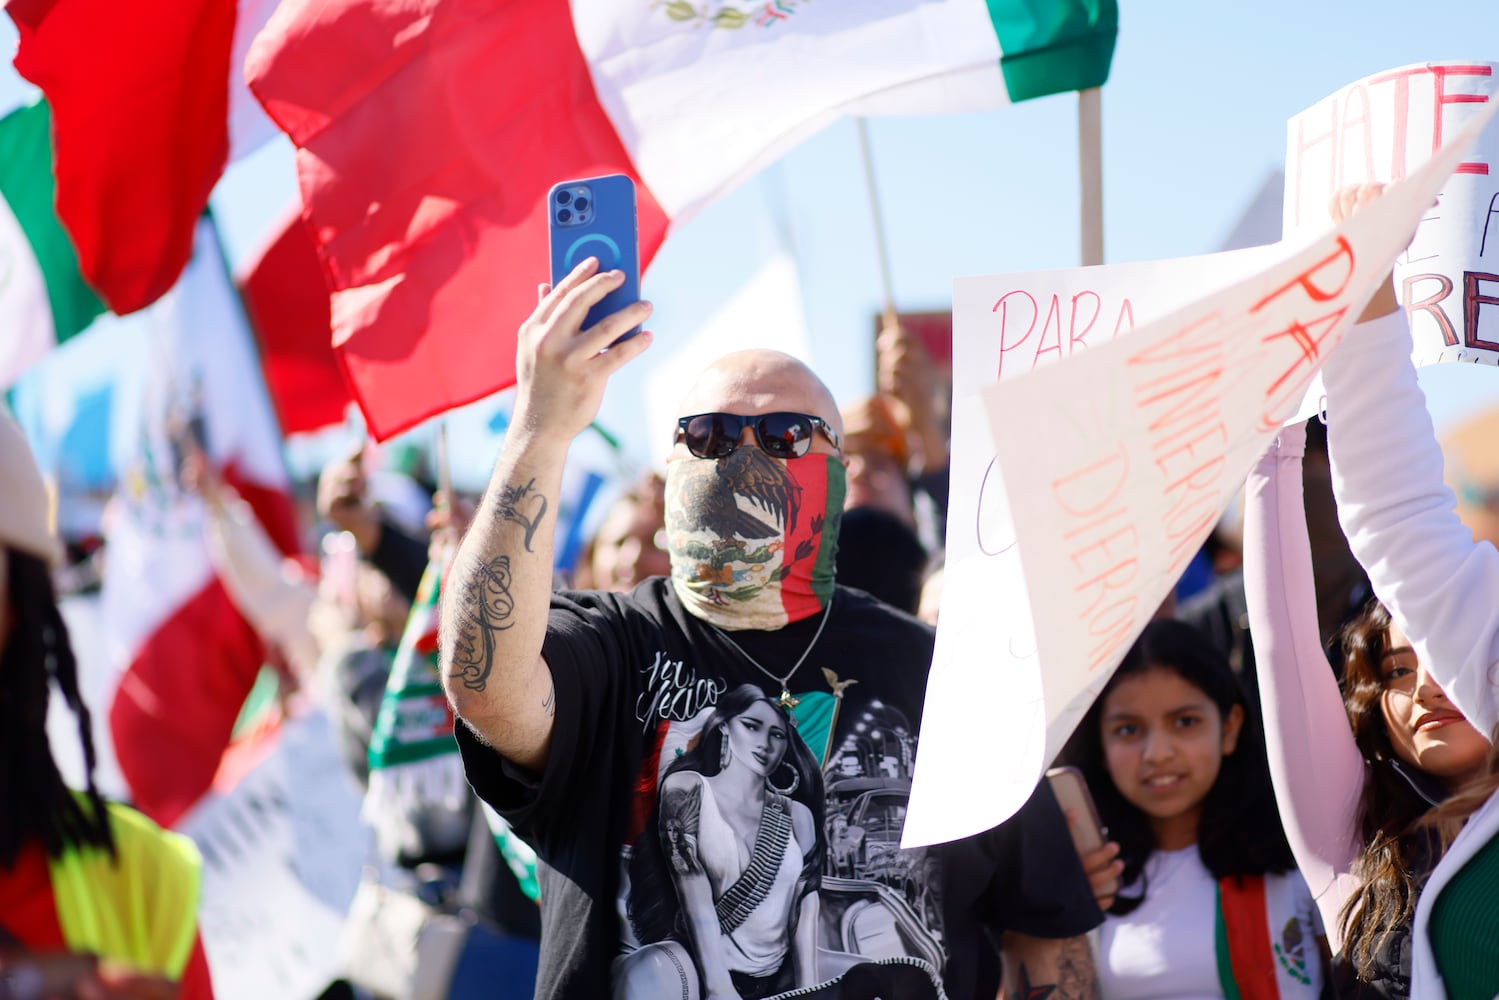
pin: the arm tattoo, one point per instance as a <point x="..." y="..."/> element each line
<point x="680" y="810"/>
<point x="485" y="608"/>
<point x="520" y="505"/>
<point x="549" y="703"/>
<point x="1076" y="978"/>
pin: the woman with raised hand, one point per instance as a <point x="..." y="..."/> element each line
<point x="1442" y="588"/>
<point x="1210" y="903"/>
<point x="1355" y="773"/>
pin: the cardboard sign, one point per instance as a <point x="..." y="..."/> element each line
<point x="1115" y="466"/>
<point x="1381" y="129"/>
<point x="282" y="855"/>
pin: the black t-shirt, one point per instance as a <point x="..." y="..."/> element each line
<point x="673" y="776"/>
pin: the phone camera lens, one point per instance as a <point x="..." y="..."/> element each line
<point x="564" y="197"/>
<point x="564" y="215"/>
<point x="581" y="204"/>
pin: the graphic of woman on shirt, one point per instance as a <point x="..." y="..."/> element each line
<point x="725" y="875"/>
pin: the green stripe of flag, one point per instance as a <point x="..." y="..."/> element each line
<point x="1222" y="952"/>
<point x="27" y="186"/>
<point x="1054" y="46"/>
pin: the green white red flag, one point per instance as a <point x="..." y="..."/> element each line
<point x="43" y="297"/>
<point x="428" y="134"/>
<point x="146" y="105"/>
<point x="187" y="657"/>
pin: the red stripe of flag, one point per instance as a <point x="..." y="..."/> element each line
<point x="176" y="705"/>
<point x="140" y="104"/>
<point x="286" y="300"/>
<point x="1247" y="923"/>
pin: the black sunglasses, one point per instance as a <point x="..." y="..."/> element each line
<point x="782" y="435"/>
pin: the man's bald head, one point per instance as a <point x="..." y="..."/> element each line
<point x="760" y="381"/>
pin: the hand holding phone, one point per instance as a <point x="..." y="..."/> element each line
<point x="1099" y="855"/>
<point x="595" y="217"/>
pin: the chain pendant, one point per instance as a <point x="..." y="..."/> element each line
<point x="786" y="701"/>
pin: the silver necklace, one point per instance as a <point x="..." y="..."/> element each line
<point x="785" y="700"/>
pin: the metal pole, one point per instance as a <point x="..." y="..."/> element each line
<point x="1090" y="174"/>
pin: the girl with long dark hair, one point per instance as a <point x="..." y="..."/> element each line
<point x="1355" y="773"/>
<point x="1440" y="587"/>
<point x="1210" y="902"/>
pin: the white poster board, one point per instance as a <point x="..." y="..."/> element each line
<point x="1117" y="464"/>
<point x="282" y="855"/>
<point x="1005" y="326"/>
<point x="1381" y="128"/>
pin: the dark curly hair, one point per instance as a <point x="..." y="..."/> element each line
<point x="1240" y="832"/>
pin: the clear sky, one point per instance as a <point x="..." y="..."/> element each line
<point x="1194" y="120"/>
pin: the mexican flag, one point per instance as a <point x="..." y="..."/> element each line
<point x="187" y="658"/>
<point x="147" y="106"/>
<point x="43" y="297"/>
<point x="429" y="132"/>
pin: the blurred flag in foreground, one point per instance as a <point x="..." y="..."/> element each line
<point x="189" y="658"/>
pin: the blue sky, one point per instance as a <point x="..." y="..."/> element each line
<point x="1194" y="120"/>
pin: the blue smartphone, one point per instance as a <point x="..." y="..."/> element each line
<point x="595" y="217"/>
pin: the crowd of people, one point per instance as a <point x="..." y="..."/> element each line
<point x="689" y="756"/>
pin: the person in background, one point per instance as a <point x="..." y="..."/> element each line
<point x="96" y="901"/>
<point x="879" y="550"/>
<point x="627" y="547"/>
<point x="343" y="500"/>
<point x="1209" y="902"/>
<point x="897" y="451"/>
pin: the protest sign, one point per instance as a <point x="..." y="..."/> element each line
<point x="1381" y="128"/>
<point x="1116" y="465"/>
<point x="1005" y="326"/>
<point x="282" y="855"/>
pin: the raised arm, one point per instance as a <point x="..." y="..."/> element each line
<point x="1399" y="515"/>
<point x="494" y="606"/>
<point x="1315" y="765"/>
<point x="1401" y="519"/>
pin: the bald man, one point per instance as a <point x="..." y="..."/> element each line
<point x="677" y="754"/>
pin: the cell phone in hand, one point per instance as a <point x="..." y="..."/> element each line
<point x="1071" y="790"/>
<point x="595" y="217"/>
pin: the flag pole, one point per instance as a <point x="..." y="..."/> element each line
<point x="882" y="250"/>
<point x="1090" y="173"/>
<point x="444" y="472"/>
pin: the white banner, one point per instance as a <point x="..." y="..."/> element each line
<point x="282" y="854"/>
<point x="1117" y="464"/>
<point x="1382" y="128"/>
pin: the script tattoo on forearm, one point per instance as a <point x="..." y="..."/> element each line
<point x="485" y="608"/>
<point x="521" y="505"/>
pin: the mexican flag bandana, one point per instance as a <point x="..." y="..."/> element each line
<point x="753" y="538"/>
